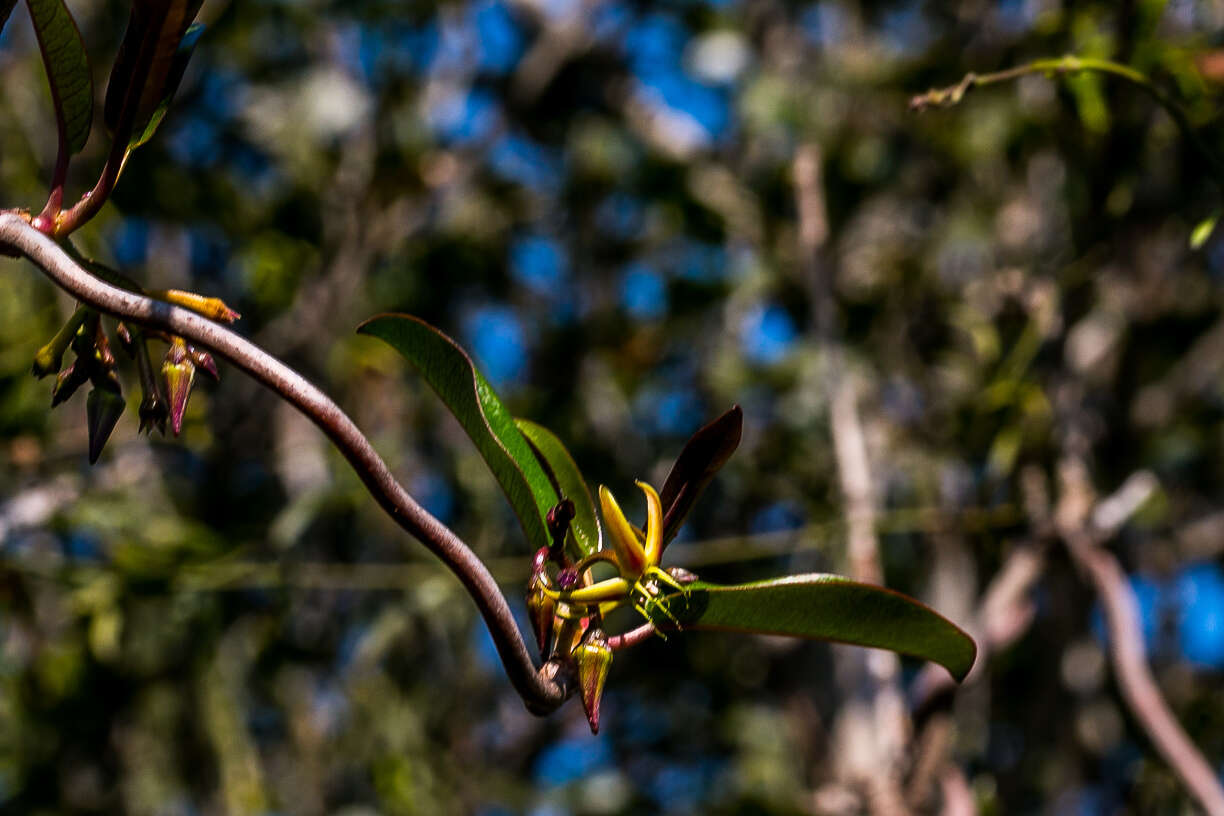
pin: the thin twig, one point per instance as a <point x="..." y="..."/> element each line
<point x="1084" y="536"/>
<point x="1069" y="65"/>
<point x="543" y="690"/>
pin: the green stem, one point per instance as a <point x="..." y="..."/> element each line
<point x="49" y="359"/>
<point x="1071" y="64"/>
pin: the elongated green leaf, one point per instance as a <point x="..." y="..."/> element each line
<point x="468" y="395"/>
<point x="829" y="607"/>
<point x="6" y="8"/>
<point x="703" y="455"/>
<point x="569" y="484"/>
<point x="150" y="64"/>
<point x="144" y="132"/>
<point x="67" y="67"/>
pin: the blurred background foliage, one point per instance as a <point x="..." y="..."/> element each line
<point x="597" y="197"/>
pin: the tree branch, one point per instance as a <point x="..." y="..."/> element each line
<point x="1071" y="64"/>
<point x="1084" y="535"/>
<point x="544" y="690"/>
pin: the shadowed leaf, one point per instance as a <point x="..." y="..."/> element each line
<point x="584" y="529"/>
<point x="468" y="395"/>
<point x="703" y="455"/>
<point x="832" y="608"/>
<point x="150" y="64"/>
<point x="68" y="73"/>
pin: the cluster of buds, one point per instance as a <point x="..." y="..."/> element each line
<point x="162" y="399"/>
<point x="94" y="363"/>
<point x="567" y="605"/>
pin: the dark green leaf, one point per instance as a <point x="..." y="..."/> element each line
<point x="67" y="66"/>
<point x="568" y="481"/>
<point x="833" y="608"/>
<point x="150" y="64"/>
<point x="703" y="455"/>
<point x="468" y="395"/>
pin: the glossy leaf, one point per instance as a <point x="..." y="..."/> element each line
<point x="703" y="455"/>
<point x="150" y="64"/>
<point x="68" y="73"/>
<point x="468" y="395"/>
<point x="569" y="484"/>
<point x="144" y="132"/>
<point x="832" y="608"/>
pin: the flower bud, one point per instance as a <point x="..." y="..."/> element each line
<point x="204" y="361"/>
<point x="68" y="381"/>
<point x="102" y="410"/>
<point x="153" y="414"/>
<point x="593" y="657"/>
<point x="540" y="608"/>
<point x="179" y="373"/>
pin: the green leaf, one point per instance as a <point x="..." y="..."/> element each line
<point x="150" y="64"/>
<point x="703" y="455"/>
<point x="828" y="607"/>
<point x="468" y="395"/>
<point x="68" y="73"/>
<point x="569" y="484"/>
<point x="1202" y="231"/>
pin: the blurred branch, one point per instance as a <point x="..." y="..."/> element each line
<point x="543" y="690"/>
<point x="1070" y="65"/>
<point x="1084" y="535"/>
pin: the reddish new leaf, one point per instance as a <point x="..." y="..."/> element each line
<point x="703" y="455"/>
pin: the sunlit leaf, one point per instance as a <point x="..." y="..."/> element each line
<point x="703" y="455"/>
<point x="450" y="372"/>
<point x="150" y="64"/>
<point x="832" y="608"/>
<point x="569" y="483"/>
<point x="1203" y="230"/>
<point x="67" y="66"/>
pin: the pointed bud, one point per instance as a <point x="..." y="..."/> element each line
<point x="179" y="374"/>
<point x="102" y="410"/>
<point x="540" y="609"/>
<point x="594" y="657"/>
<point x="204" y="360"/>
<point x="566" y="630"/>
<point x="153" y="414"/>
<point x="68" y="381"/>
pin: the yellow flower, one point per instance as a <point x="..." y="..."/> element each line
<point x="635" y="553"/>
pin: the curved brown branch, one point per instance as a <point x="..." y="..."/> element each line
<point x="1084" y="536"/>
<point x="543" y="690"/>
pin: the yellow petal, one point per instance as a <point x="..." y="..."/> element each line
<point x="629" y="553"/>
<point x="654" y="525"/>
<point x="609" y="590"/>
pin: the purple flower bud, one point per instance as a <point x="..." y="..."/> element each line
<point x="179" y="373"/>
